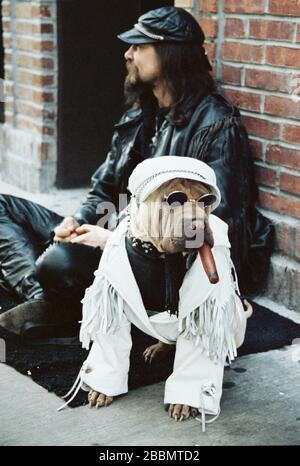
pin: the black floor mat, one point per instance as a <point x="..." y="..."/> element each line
<point x="55" y="366"/>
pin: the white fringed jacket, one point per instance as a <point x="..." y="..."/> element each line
<point x="210" y="314"/>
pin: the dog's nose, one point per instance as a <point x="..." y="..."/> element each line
<point x="194" y="230"/>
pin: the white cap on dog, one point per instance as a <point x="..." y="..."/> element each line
<point x="152" y="173"/>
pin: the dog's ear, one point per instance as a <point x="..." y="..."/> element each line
<point x="208" y="234"/>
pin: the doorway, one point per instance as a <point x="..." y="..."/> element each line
<point x="91" y="72"/>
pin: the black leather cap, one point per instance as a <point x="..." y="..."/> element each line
<point x="166" y="24"/>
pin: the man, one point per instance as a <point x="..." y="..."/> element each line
<point x="173" y="109"/>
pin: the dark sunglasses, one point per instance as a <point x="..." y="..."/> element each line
<point x="179" y="197"/>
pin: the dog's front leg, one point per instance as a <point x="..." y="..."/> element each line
<point x="152" y="351"/>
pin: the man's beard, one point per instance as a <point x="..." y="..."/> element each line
<point x="134" y="88"/>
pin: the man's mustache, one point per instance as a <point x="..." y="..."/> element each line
<point x="132" y="71"/>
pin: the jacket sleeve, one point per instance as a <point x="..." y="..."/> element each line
<point x="227" y="151"/>
<point x="104" y="187"/>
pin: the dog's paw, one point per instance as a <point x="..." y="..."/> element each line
<point x="98" y="399"/>
<point x="152" y="351"/>
<point x="181" y="412"/>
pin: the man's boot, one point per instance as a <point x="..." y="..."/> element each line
<point x="38" y="318"/>
<point x="37" y="310"/>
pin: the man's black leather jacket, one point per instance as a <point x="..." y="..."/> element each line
<point x="215" y="135"/>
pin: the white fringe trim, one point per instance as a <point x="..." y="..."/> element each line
<point x="213" y="327"/>
<point x="102" y="310"/>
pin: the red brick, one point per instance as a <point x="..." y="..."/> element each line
<point x="244" y="6"/>
<point x="256" y="148"/>
<point x="35" y="45"/>
<point x="33" y="95"/>
<point x="46" y="46"/>
<point x="266" y="80"/>
<point x="209" y="26"/>
<point x="29" y="111"/>
<point x="26" y="10"/>
<point x="6" y="25"/>
<point x="284" y="7"/>
<point x="231" y="74"/>
<point x="283" y="156"/>
<point x="24" y="123"/>
<point x="279" y="203"/>
<point x="7" y="41"/>
<point x="243" y="99"/>
<point x="8" y="74"/>
<point x="9" y="105"/>
<point x="28" y="61"/>
<point x="282" y="106"/>
<point x="7" y="57"/>
<point x="283" y="56"/>
<point x="46" y="130"/>
<point x="285" y="239"/>
<point x="38" y="113"/>
<point x="242" y="52"/>
<point x="265" y="176"/>
<point x="298" y="33"/>
<point x="27" y="77"/>
<point x="291" y="133"/>
<point x="211" y="50"/>
<point x="271" y="30"/>
<point x="209" y="6"/>
<point x="41" y="96"/>
<point x="45" y="11"/>
<point x="290" y="183"/>
<point x="234" y="27"/>
<point x="6" y="9"/>
<point x="8" y="88"/>
<point x="32" y="28"/>
<point x="263" y="128"/>
<point x="184" y="3"/>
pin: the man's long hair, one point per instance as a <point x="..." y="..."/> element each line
<point x="184" y="69"/>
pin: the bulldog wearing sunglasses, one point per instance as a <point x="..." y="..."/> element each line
<point x="152" y="275"/>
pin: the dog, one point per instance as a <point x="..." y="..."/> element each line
<point x="151" y="275"/>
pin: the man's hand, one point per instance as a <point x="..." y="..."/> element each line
<point x="91" y="235"/>
<point x="65" y="232"/>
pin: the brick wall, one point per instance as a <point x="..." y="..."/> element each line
<point x="255" y="49"/>
<point x="29" y="155"/>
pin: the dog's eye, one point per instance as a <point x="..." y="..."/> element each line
<point x="207" y="199"/>
<point x="177" y="197"/>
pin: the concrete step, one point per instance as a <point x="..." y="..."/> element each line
<point x="284" y="282"/>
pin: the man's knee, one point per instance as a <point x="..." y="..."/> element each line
<point x="66" y="265"/>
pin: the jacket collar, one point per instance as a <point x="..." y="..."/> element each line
<point x="130" y="117"/>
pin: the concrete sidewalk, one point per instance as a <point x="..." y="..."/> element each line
<point x="62" y="201"/>
<point x="260" y="403"/>
<point x="261" y="406"/>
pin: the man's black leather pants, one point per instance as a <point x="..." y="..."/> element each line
<point x="30" y="265"/>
